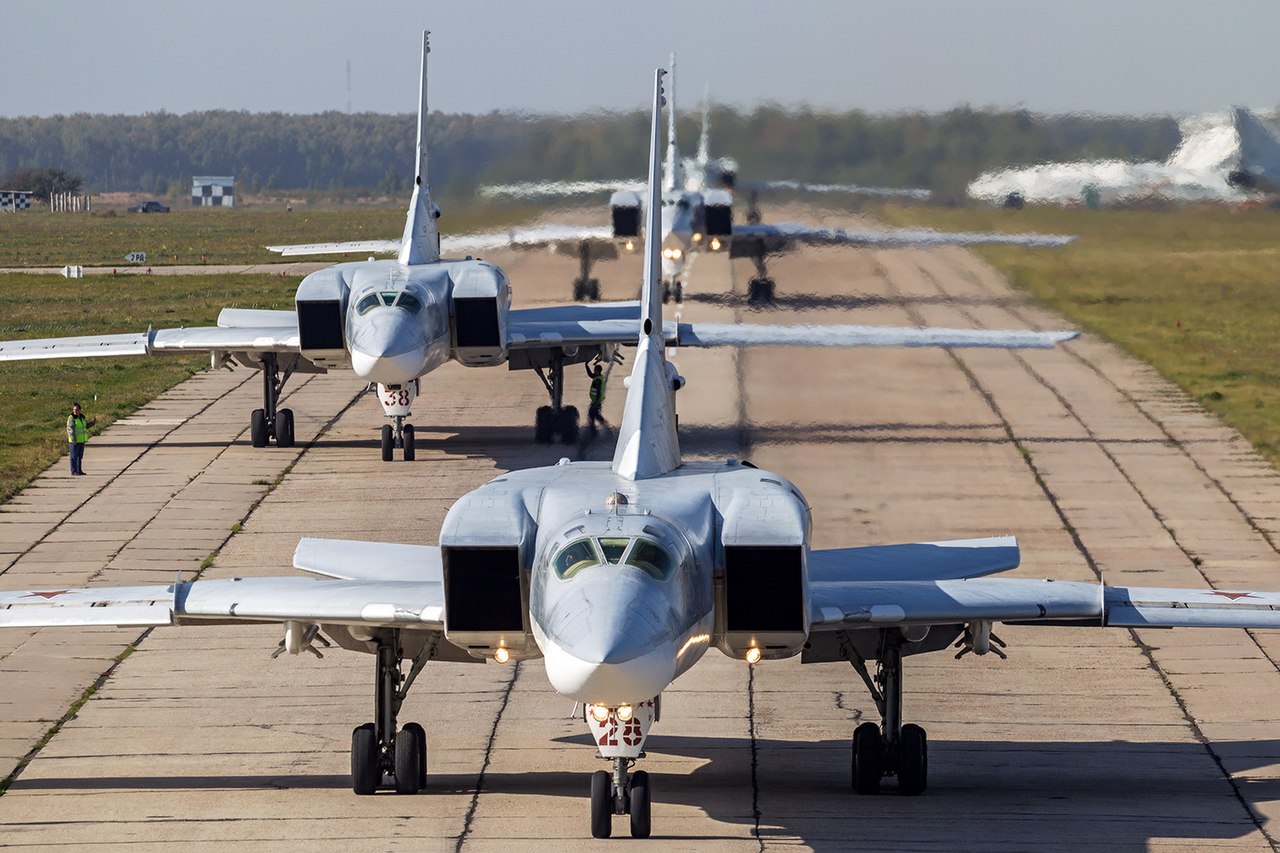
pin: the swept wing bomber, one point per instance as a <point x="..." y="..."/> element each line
<point x="622" y="574"/>
<point x="392" y="322"/>
<point x="697" y="216"/>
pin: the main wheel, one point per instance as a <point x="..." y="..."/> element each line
<point x="568" y="426"/>
<point x="544" y="431"/>
<point x="868" y="758"/>
<point x="593" y="290"/>
<point x="366" y="770"/>
<point x="421" y="734"/>
<point x="913" y="761"/>
<point x="601" y="804"/>
<point x="284" y="428"/>
<point x="258" y="427"/>
<point x="639" y="804"/>
<point x="408" y="762"/>
<point x="579" y="290"/>
<point x="388" y="443"/>
<point x="409" y="453"/>
<point x="767" y="289"/>
<point x="753" y="292"/>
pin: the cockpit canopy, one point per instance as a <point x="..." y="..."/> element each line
<point x="402" y="299"/>
<point x="639" y="552"/>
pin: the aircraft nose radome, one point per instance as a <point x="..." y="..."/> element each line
<point x="611" y="641"/>
<point x="635" y="680"/>
<point x="387" y="349"/>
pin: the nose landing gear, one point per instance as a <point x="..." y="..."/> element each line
<point x="623" y="794"/>
<point x="585" y="288"/>
<point x="396" y="401"/>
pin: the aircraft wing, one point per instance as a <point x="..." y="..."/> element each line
<point x="781" y="236"/>
<point x="960" y="558"/>
<point x="364" y="247"/>
<point x="555" y="236"/>
<point x="542" y="189"/>
<point x="347" y="559"/>
<point x="574" y="326"/>
<point x="849" y="604"/>
<point x="238" y="330"/>
<point x="418" y="604"/>
<point x="856" y="189"/>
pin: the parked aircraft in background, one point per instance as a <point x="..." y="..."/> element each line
<point x="1227" y="157"/>
<point x="622" y="575"/>
<point x="697" y="216"/>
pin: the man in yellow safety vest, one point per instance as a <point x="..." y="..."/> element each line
<point x="77" y="435"/>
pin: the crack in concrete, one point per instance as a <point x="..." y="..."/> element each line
<point x="474" y="805"/>
<point x="1146" y="650"/>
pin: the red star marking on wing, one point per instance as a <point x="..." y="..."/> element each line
<point x="1234" y="596"/>
<point x="48" y="595"/>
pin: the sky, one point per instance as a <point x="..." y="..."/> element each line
<point x="567" y="56"/>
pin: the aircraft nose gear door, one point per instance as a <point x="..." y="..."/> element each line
<point x="619" y="734"/>
<point x="396" y="402"/>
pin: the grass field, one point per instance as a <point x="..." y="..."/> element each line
<point x="36" y="396"/>
<point x="38" y="238"/>
<point x="1192" y="291"/>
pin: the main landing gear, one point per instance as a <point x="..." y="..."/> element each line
<point x="760" y="290"/>
<point x="620" y="793"/>
<point x="269" y="422"/>
<point x="378" y="752"/>
<point x="556" y="419"/>
<point x="401" y="435"/>
<point x="584" y="287"/>
<point x="890" y="749"/>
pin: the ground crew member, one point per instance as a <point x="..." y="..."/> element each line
<point x="77" y="435"/>
<point x="596" y="396"/>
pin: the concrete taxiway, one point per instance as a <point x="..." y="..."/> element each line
<point x="1083" y="739"/>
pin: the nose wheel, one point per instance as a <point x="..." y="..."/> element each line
<point x="620" y="793"/>
<point x="890" y="749"/>
<point x="760" y="289"/>
<point x="401" y="436"/>
<point x="673" y="290"/>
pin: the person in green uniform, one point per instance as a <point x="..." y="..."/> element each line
<point x="595" y="396"/>
<point x="77" y="435"/>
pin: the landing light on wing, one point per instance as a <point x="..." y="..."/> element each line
<point x="715" y="244"/>
<point x="697" y="237"/>
<point x="501" y="655"/>
<point x="753" y="655"/>
<point x="631" y="245"/>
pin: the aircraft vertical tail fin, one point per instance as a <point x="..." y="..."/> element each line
<point x="673" y="169"/>
<point x="421" y="241"/>
<point x="704" y="138"/>
<point x="647" y="442"/>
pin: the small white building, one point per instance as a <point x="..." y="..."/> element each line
<point x="210" y="191"/>
<point x="14" y="200"/>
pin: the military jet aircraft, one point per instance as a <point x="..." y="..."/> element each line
<point x="392" y="322"/>
<point x="697" y="216"/>
<point x="622" y="574"/>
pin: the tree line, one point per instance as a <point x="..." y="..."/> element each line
<point x="157" y="153"/>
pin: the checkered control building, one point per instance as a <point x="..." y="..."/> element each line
<point x="209" y="191"/>
<point x="13" y="200"/>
